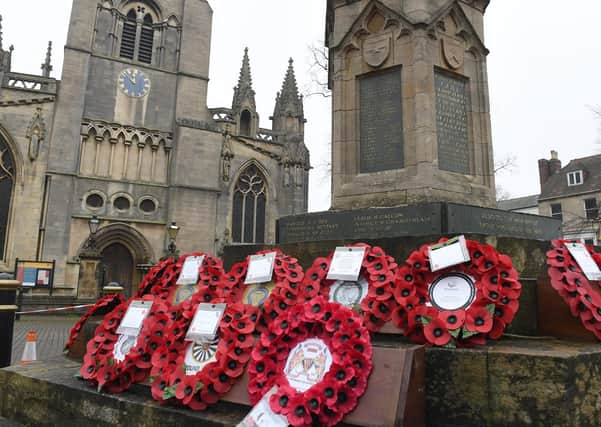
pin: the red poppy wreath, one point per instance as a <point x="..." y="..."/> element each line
<point x="209" y="283"/>
<point x="371" y="295"/>
<point x="154" y="275"/>
<point x="319" y="356"/>
<point x="199" y="374"/>
<point x="568" y="279"/>
<point x="462" y="305"/>
<point x="102" y="306"/>
<point x="272" y="298"/>
<point x="113" y="361"/>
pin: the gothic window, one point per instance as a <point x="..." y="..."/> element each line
<point x="245" y="120"/>
<point x="248" y="215"/>
<point x="128" y="38"/>
<point x="146" y="41"/>
<point x="7" y="172"/>
<point x="137" y="39"/>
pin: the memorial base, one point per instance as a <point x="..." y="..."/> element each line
<point x="48" y="393"/>
<point x="517" y="382"/>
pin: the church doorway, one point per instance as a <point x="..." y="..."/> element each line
<point x="118" y="267"/>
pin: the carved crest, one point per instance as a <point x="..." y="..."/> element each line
<point x="376" y="49"/>
<point x="453" y="51"/>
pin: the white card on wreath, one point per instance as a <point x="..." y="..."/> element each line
<point x="205" y="322"/>
<point x="260" y="268"/>
<point x="262" y="415"/>
<point x="190" y="270"/>
<point x="131" y="324"/>
<point x="346" y="263"/>
<point x="447" y="254"/>
<point x="585" y="260"/>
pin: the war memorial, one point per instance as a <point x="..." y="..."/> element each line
<point x="366" y="314"/>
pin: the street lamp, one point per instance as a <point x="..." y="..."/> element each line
<point x="93" y="224"/>
<point x="172" y="230"/>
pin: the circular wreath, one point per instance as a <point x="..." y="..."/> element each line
<point x="568" y="279"/>
<point x="225" y="357"/>
<point x="492" y="305"/>
<point x="326" y="402"/>
<point x="209" y="283"/>
<point x="99" y="364"/>
<point x="377" y="271"/>
<point x="154" y="274"/>
<point x="287" y="289"/>
<point x="102" y="306"/>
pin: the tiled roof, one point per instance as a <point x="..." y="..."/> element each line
<point x="518" y="203"/>
<point x="557" y="184"/>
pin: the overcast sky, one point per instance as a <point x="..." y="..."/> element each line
<point x="544" y="71"/>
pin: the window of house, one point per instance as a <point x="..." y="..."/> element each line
<point x="248" y="214"/>
<point x="589" y="241"/>
<point x="7" y="177"/>
<point x="137" y="37"/>
<point x="556" y="211"/>
<point x="591" y="208"/>
<point x="574" y="178"/>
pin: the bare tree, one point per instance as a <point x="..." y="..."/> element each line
<point x="318" y="71"/>
<point x="504" y="165"/>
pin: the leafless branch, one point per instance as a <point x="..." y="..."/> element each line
<point x="318" y="70"/>
<point x="506" y="164"/>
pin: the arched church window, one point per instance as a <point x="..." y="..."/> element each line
<point x="146" y="41"/>
<point x="245" y="120"/>
<point x="7" y="178"/>
<point x="128" y="38"/>
<point x="137" y="39"/>
<point x="248" y="214"/>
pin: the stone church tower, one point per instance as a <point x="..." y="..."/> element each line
<point x="126" y="135"/>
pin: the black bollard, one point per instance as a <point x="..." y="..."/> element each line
<point x="8" y="308"/>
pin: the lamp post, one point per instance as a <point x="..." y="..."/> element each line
<point x="93" y="224"/>
<point x="172" y="230"/>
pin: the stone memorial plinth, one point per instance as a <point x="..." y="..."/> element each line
<point x="416" y="220"/>
<point x="410" y="103"/>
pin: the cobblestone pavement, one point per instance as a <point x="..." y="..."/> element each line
<point x="52" y="333"/>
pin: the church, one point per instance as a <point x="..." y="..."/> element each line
<point x="126" y="137"/>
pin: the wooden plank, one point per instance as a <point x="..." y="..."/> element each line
<point x="554" y="317"/>
<point x="395" y="390"/>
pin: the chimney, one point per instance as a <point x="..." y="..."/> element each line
<point x="554" y="163"/>
<point x="543" y="171"/>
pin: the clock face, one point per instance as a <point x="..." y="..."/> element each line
<point x="134" y="83"/>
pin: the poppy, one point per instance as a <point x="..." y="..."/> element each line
<point x="383" y="293"/>
<point x="453" y="319"/>
<point x="313" y="397"/>
<point x="186" y="388"/>
<point x="281" y="400"/>
<point x="418" y="261"/>
<point x="559" y="258"/>
<point x="498" y="329"/>
<point x="436" y="332"/>
<point x="346" y="400"/>
<point x="400" y="319"/>
<point x="478" y="319"/>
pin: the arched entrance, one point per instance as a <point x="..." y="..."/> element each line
<point x="118" y="267"/>
<point x="124" y="252"/>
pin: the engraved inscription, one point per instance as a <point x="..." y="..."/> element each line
<point x="452" y="102"/>
<point x="362" y="223"/>
<point x="381" y="122"/>
<point x="466" y="219"/>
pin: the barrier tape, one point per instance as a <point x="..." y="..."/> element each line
<point x="73" y="307"/>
